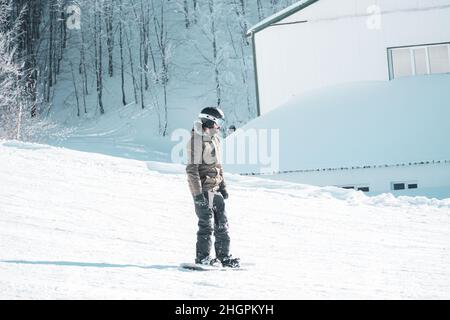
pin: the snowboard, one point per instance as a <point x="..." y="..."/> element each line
<point x="201" y="267"/>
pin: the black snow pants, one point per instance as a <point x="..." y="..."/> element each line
<point x="209" y="221"/>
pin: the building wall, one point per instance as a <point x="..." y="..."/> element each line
<point x="433" y="180"/>
<point x="341" y="43"/>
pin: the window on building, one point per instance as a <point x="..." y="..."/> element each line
<point x="398" y="186"/>
<point x="404" y="185"/>
<point x="362" y="188"/>
<point x="401" y="63"/>
<point x="439" y="59"/>
<point x="419" y="60"/>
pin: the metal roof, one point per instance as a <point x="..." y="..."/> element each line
<point x="280" y="16"/>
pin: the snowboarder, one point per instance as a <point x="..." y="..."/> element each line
<point x="208" y="188"/>
<point x="231" y="130"/>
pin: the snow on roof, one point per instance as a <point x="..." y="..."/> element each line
<point x="361" y="124"/>
<point x="280" y="15"/>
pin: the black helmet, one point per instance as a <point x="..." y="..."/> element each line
<point x="210" y="116"/>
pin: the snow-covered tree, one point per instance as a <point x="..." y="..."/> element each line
<point x="141" y="53"/>
<point x="14" y="100"/>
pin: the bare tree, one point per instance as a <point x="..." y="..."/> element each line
<point x="240" y="10"/>
<point x="109" y="20"/>
<point x="14" y="98"/>
<point x="130" y="54"/>
<point x="75" y="90"/>
<point x="195" y="13"/>
<point x="82" y="68"/>
<point x="98" y="54"/>
<point x="50" y="55"/>
<point x="163" y="42"/>
<point x="211" y="6"/>
<point x="187" y="21"/>
<point x="62" y="32"/>
<point x="260" y="9"/>
<point x="122" y="60"/>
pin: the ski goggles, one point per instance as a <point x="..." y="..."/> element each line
<point x="220" y="122"/>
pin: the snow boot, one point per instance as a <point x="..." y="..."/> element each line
<point x="230" y="262"/>
<point x="208" y="261"/>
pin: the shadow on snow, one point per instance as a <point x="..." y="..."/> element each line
<point x="90" y="265"/>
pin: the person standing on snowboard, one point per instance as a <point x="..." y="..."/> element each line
<point x="206" y="183"/>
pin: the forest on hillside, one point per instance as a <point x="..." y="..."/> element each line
<point x="90" y="56"/>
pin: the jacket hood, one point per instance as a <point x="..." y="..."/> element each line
<point x="198" y="129"/>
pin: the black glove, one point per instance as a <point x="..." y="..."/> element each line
<point x="200" y="200"/>
<point x="224" y="192"/>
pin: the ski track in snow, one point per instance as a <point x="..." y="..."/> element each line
<point x="76" y="225"/>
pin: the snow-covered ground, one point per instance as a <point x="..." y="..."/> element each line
<point x="76" y="225"/>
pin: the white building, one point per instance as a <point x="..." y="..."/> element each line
<point x="360" y="93"/>
<point x="318" y="43"/>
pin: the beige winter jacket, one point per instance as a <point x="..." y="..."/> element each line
<point x="204" y="168"/>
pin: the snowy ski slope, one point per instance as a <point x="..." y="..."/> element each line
<point x="76" y="225"/>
